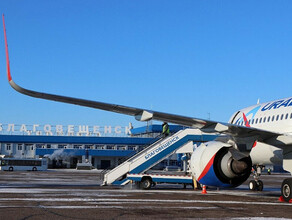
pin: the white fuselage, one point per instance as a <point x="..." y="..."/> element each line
<point x="274" y="116"/>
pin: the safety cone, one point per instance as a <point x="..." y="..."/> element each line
<point x="204" y="191"/>
<point x="281" y="199"/>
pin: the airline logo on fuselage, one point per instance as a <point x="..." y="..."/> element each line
<point x="277" y="104"/>
<point x="245" y="116"/>
<point x="269" y="106"/>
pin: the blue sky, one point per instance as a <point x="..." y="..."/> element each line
<point x="183" y="57"/>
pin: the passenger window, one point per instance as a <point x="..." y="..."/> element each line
<point x="264" y="120"/>
<point x="260" y="120"/>
<point x="248" y="121"/>
<point x="286" y="116"/>
<point x="291" y="115"/>
<point x="282" y="116"/>
<point x="252" y="121"/>
<point x="277" y="117"/>
<point x="268" y="119"/>
<point x="273" y="118"/>
<point x="256" y="121"/>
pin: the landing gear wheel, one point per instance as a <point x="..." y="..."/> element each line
<point x="260" y="185"/>
<point x="256" y="185"/>
<point x="286" y="189"/>
<point x="146" y="184"/>
<point x="252" y="185"/>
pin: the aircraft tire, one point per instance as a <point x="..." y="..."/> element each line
<point x="252" y="185"/>
<point x="260" y="185"/>
<point x="286" y="189"/>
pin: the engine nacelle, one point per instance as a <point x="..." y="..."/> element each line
<point x="214" y="164"/>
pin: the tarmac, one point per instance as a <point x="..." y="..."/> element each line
<point x="76" y="194"/>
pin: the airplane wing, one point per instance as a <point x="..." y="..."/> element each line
<point x="145" y="115"/>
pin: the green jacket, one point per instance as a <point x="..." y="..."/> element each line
<point x="165" y="129"/>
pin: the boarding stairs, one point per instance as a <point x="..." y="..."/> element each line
<point x="151" y="155"/>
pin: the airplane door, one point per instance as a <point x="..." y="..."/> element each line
<point x="234" y="117"/>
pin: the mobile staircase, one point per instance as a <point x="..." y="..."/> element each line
<point x="151" y="155"/>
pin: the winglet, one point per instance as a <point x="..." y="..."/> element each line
<point x="6" y="48"/>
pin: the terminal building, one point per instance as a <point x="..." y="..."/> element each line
<point x="105" y="147"/>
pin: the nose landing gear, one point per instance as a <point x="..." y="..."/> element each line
<point x="256" y="184"/>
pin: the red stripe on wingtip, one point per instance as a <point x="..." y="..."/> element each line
<point x="6" y="48"/>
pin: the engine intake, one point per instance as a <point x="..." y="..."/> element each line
<point x="213" y="165"/>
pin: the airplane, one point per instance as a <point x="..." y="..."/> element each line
<point x="259" y="134"/>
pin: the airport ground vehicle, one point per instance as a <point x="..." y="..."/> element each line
<point x="16" y="164"/>
<point x="145" y="181"/>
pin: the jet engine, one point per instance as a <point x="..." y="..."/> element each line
<point x="219" y="164"/>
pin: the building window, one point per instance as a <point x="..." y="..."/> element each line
<point x="88" y="146"/>
<point x="62" y="146"/>
<point x="77" y="146"/>
<point x="121" y="147"/>
<point x="131" y="147"/>
<point x="19" y="147"/>
<point x="28" y="147"/>
<point x="110" y="147"/>
<point x="40" y="146"/>
<point x="99" y="147"/>
<point x="8" y="146"/>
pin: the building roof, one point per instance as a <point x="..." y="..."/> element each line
<point x="73" y="140"/>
